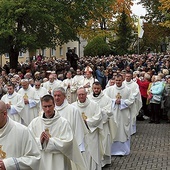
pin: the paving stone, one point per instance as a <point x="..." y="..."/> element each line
<point x="150" y="149"/>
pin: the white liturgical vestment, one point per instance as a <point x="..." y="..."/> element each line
<point x="41" y="92"/>
<point x="88" y="81"/>
<point x="122" y="117"/>
<point x="51" y="85"/>
<point x="17" y="104"/>
<point x="109" y="126"/>
<point x="30" y="111"/>
<point x="61" y="148"/>
<point x="77" y="79"/>
<point x="71" y="91"/>
<point x="19" y="146"/>
<point x="137" y="105"/>
<point x="73" y="116"/>
<point x="92" y="111"/>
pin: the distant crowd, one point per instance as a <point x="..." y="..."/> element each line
<point x="101" y="97"/>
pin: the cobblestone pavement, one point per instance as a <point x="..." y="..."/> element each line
<point x="150" y="149"/>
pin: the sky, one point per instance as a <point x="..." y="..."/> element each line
<point x="138" y="9"/>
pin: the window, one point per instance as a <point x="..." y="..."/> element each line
<point x="20" y="54"/>
<point x="43" y="52"/>
<point x="68" y="48"/>
<point x="61" y="51"/>
<point x="53" y="52"/>
<point x="75" y="50"/>
<point x="7" y="55"/>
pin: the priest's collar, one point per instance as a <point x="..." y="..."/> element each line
<point x="49" y="117"/>
<point x="96" y="95"/>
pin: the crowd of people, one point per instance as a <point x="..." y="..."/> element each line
<point x="78" y="117"/>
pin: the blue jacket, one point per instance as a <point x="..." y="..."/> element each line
<point x="157" y="89"/>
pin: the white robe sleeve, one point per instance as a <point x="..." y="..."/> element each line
<point x="17" y="108"/>
<point x="113" y="103"/>
<point x="96" y="120"/>
<point x="32" y="103"/>
<point x="12" y="110"/>
<point x="123" y="105"/>
<point x="29" y="159"/>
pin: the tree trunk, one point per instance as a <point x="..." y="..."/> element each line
<point x="13" y="58"/>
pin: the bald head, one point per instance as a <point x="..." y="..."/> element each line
<point x="3" y="114"/>
<point x="2" y="106"/>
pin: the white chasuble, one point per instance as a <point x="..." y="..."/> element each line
<point x="61" y="149"/>
<point x="19" y="147"/>
<point x="30" y="111"/>
<point x="17" y="104"/>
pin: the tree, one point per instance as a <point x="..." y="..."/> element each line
<point x="153" y="15"/>
<point x="101" y="12"/>
<point x="38" y="24"/>
<point x="124" y="34"/>
<point x="157" y="18"/>
<point x="153" y="37"/>
<point x="165" y="9"/>
<point x="97" y="46"/>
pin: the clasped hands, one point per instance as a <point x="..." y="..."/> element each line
<point x="44" y="137"/>
<point x="2" y="166"/>
<point x="118" y="101"/>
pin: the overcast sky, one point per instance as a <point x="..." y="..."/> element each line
<point x="138" y="9"/>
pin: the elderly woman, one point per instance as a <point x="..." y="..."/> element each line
<point x="156" y="90"/>
<point x="143" y="87"/>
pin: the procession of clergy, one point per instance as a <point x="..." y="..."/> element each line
<point x="69" y="124"/>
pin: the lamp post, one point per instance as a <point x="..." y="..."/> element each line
<point x="138" y="45"/>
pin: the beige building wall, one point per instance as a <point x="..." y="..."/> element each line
<point x="59" y="52"/>
<point x="23" y="57"/>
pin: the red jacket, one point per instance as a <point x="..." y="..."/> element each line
<point x="143" y="87"/>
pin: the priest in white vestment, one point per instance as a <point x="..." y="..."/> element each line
<point x="18" y="148"/>
<point x="137" y="105"/>
<point x="109" y="126"/>
<point x="14" y="103"/>
<point x="92" y="116"/>
<point x="41" y="91"/>
<point x="72" y="114"/>
<point x="88" y="81"/>
<point x="52" y="83"/>
<point x="31" y="100"/>
<point x="78" y="78"/>
<point x="55" y="139"/>
<point x="70" y="87"/>
<point x="122" y="99"/>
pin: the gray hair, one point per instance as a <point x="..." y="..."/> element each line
<point x="61" y="89"/>
<point x="83" y="89"/>
<point x="24" y="80"/>
<point x="147" y="76"/>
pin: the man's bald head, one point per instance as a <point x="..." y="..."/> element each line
<point x="3" y="114"/>
<point x="2" y="106"/>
